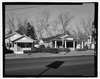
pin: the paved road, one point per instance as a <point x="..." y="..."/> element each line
<point x="72" y="66"/>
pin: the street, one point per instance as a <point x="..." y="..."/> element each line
<point x="72" y="66"/>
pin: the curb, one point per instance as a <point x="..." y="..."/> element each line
<point x="29" y="56"/>
<point x="45" y="55"/>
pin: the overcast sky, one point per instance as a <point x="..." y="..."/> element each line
<point x="32" y="12"/>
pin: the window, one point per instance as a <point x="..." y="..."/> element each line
<point x="59" y="43"/>
<point x="24" y="45"/>
<point x="28" y="45"/>
<point x="69" y="44"/>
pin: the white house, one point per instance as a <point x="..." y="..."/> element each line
<point x="25" y="43"/>
<point x="9" y="39"/>
<point x="19" y="43"/>
<point x="61" y="41"/>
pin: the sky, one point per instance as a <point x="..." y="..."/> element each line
<point x="26" y="10"/>
<point x="33" y="12"/>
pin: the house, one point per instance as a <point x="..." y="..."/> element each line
<point x="87" y="43"/>
<point x="60" y="41"/>
<point x="9" y="39"/>
<point x="90" y="42"/>
<point x="18" y="43"/>
<point x="25" y="43"/>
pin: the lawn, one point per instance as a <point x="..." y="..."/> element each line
<point x="49" y="50"/>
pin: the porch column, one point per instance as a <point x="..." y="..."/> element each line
<point x="65" y="44"/>
<point x="74" y="45"/>
<point x="55" y="44"/>
<point x="82" y="44"/>
<point x="15" y="47"/>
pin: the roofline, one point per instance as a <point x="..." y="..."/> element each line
<point x="23" y="37"/>
<point x="18" y="38"/>
<point x="56" y="37"/>
<point x="8" y="36"/>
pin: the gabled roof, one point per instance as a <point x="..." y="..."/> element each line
<point x="25" y="39"/>
<point x="18" y="38"/>
<point x="57" y="37"/>
<point x="8" y="36"/>
<point x="13" y="37"/>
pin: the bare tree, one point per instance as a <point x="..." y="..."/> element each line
<point x="43" y="23"/>
<point x="64" y="19"/>
<point x="39" y="29"/>
<point x="44" y="20"/>
<point x="87" y="26"/>
<point x="75" y="34"/>
<point x="11" y="23"/>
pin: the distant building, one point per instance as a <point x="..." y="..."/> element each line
<point x="86" y="43"/>
<point x="91" y="43"/>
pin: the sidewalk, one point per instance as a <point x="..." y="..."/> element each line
<point x="38" y="55"/>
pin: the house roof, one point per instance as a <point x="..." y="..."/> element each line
<point x="13" y="37"/>
<point x="59" y="37"/>
<point x="8" y="36"/>
<point x="25" y="39"/>
<point x="16" y="37"/>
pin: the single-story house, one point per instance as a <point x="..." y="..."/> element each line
<point x="60" y="41"/>
<point x="19" y="43"/>
<point x="25" y="43"/>
<point x="87" y="43"/>
<point x="9" y="39"/>
<point x="68" y="41"/>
